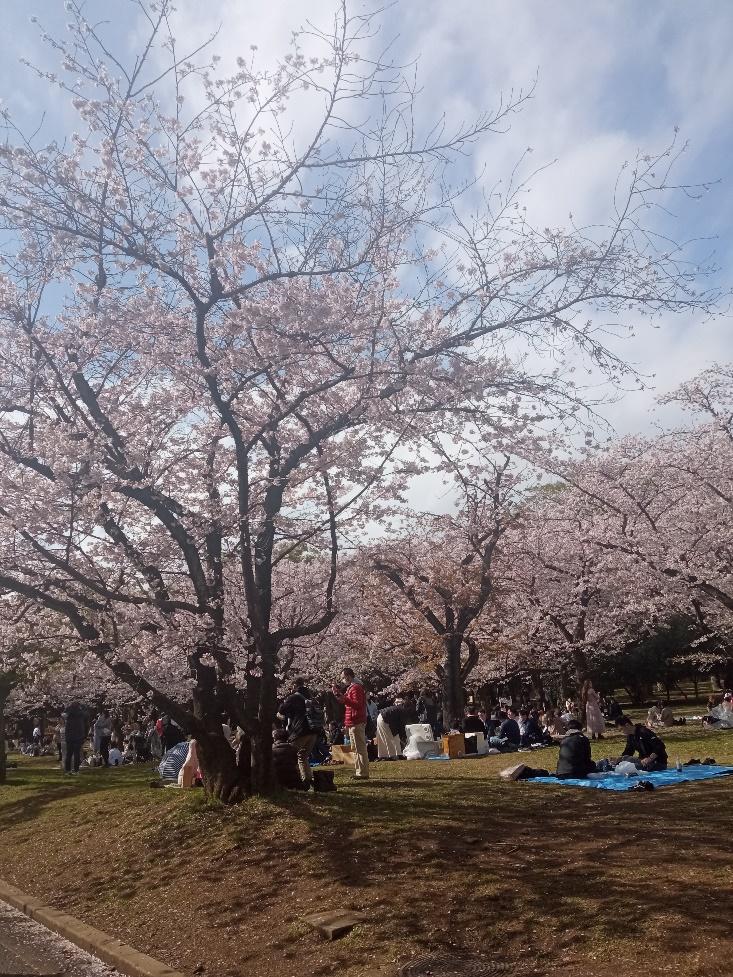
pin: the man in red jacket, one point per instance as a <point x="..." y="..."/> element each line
<point x="354" y="699"/>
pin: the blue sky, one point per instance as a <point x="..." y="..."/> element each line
<point x="613" y="76"/>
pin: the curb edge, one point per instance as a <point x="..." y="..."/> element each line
<point x="110" y="950"/>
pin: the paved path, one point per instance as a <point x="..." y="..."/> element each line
<point x="30" y="950"/>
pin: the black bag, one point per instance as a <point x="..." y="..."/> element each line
<point x="314" y="715"/>
<point x="323" y="781"/>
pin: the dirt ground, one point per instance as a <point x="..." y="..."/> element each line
<point x="445" y="861"/>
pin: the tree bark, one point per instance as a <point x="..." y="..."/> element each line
<point x="263" y="781"/>
<point x="452" y="684"/>
<point x="538" y="687"/>
<point x="580" y="662"/>
<point x="3" y="759"/>
<point x="225" y="777"/>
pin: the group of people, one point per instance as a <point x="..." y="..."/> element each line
<point x="302" y="737"/>
<point x="78" y="738"/>
<point x="300" y="733"/>
<point x="643" y="747"/>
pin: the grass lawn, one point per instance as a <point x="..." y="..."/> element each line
<point x="443" y="858"/>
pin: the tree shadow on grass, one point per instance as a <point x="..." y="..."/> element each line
<point x="45" y="785"/>
<point x="537" y="867"/>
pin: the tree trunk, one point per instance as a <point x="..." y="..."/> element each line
<point x="538" y="688"/>
<point x="3" y="761"/>
<point x="564" y="684"/>
<point x="452" y="684"/>
<point x="263" y="779"/>
<point x="580" y="662"/>
<point x="226" y="778"/>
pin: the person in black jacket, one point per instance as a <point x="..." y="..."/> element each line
<point x="575" y="759"/>
<point x="531" y="730"/>
<point x="508" y="736"/>
<point x="644" y="741"/>
<point x="409" y="707"/>
<point x="76" y="733"/>
<point x="472" y="723"/>
<point x="301" y="731"/>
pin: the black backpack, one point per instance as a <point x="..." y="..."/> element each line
<point x="314" y="715"/>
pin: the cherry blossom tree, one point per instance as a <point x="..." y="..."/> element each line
<point x="444" y="569"/>
<point x="231" y="308"/>
<point x="666" y="500"/>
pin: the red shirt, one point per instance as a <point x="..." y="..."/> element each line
<point x="355" y="701"/>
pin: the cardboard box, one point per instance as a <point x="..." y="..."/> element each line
<point x="454" y="746"/>
<point x="343" y="753"/>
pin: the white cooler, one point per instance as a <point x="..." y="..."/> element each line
<point x="420" y="742"/>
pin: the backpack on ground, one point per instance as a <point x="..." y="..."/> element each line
<point x="323" y="781"/>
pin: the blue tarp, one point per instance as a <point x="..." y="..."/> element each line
<point x="663" y="778"/>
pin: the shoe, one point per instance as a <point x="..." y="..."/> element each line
<point x="354" y="777"/>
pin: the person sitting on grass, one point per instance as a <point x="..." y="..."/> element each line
<point x="654" y="716"/>
<point x="531" y="731"/>
<point x="613" y="710"/>
<point x="667" y="717"/>
<point x="115" y="758"/>
<point x="508" y="737"/>
<point x="472" y="723"/>
<point x="644" y="741"/>
<point x="722" y="715"/>
<point x="575" y="759"/>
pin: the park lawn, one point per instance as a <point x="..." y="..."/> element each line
<point x="442" y="858"/>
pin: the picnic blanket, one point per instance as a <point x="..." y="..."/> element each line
<point x="662" y="778"/>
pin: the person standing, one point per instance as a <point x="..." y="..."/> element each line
<point x="372" y="714"/>
<point x="355" y="717"/>
<point x="102" y="735"/>
<point x="76" y="730"/>
<point x="304" y="722"/>
<point x="594" y="720"/>
<point x="390" y="731"/>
